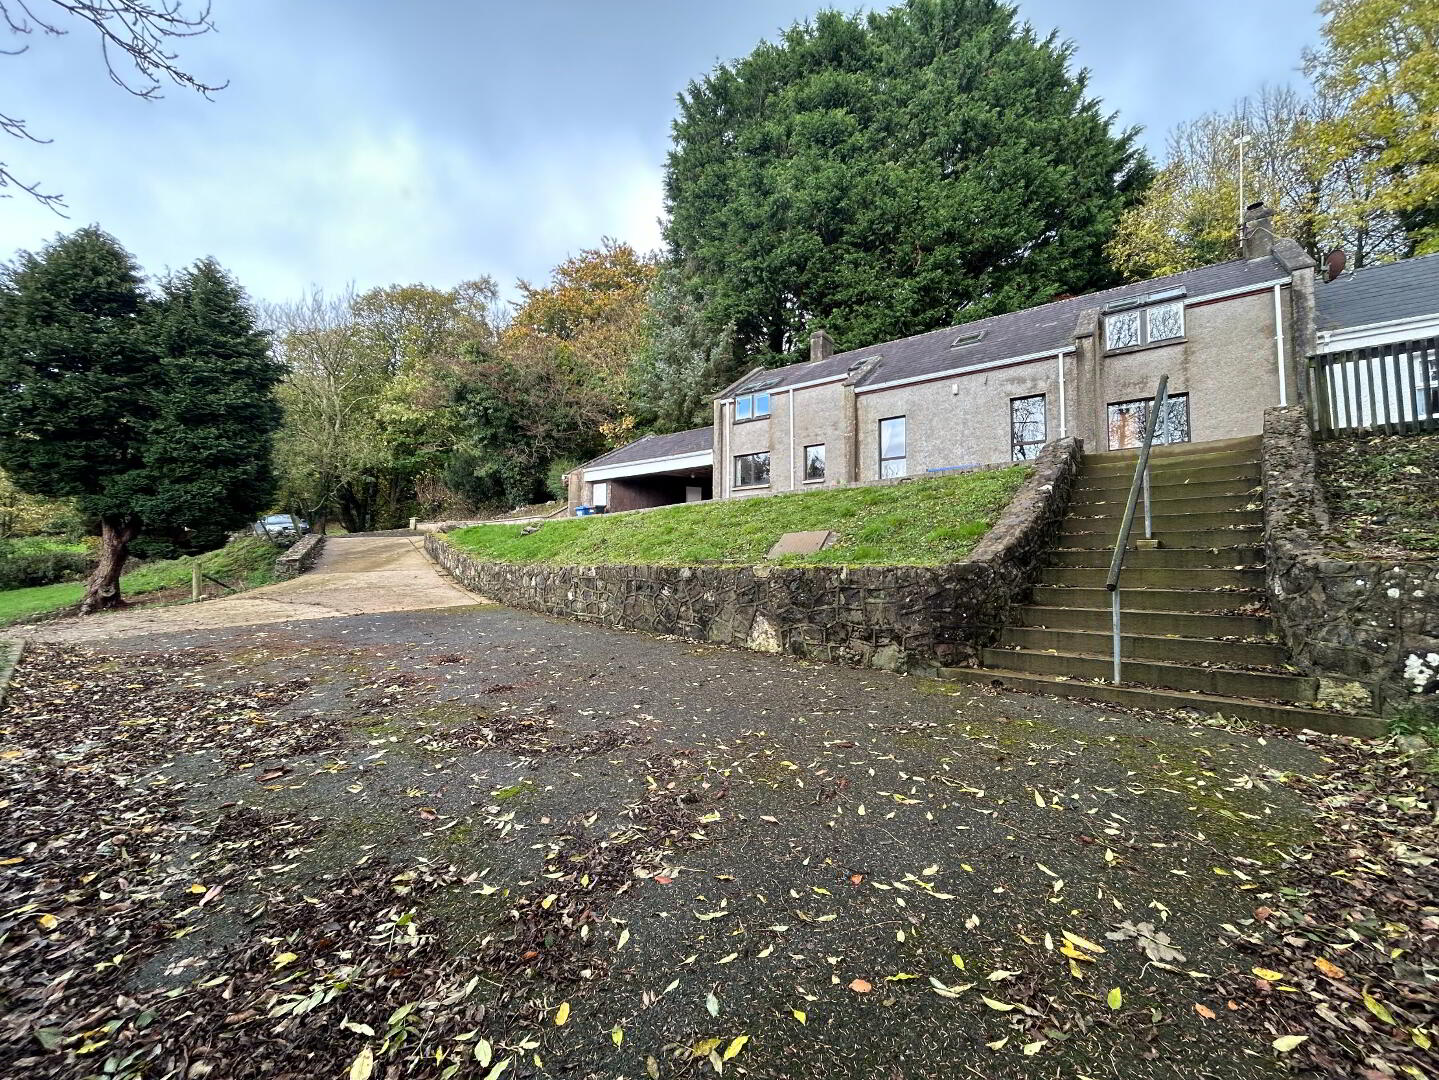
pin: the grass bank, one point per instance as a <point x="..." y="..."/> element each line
<point x="244" y="563"/>
<point x="1382" y="495"/>
<point x="925" y="522"/>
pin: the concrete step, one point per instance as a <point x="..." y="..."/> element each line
<point x="1246" y="475"/>
<point x="1089" y="506"/>
<point x="1173" y="557"/>
<point x="1186" y="624"/>
<point x="1104" y="537"/>
<point x="1164" y="492"/>
<point x="1181" y="450"/>
<point x="1140" y="697"/>
<point x="1080" y="520"/>
<point x="1143" y="646"/>
<point x="1227" y="682"/>
<point x="1104" y="465"/>
<point x="1205" y="600"/>
<point x="1135" y="578"/>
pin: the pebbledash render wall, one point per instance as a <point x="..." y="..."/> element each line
<point x="897" y="618"/>
<point x="1373" y="623"/>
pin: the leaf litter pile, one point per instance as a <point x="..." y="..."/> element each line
<point x="477" y="855"/>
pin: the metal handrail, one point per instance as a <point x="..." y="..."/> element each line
<point x="1140" y="482"/>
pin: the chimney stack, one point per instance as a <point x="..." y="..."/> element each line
<point x="1258" y="231"/>
<point x="821" y="345"/>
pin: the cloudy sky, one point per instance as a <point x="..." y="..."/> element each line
<point x="373" y="142"/>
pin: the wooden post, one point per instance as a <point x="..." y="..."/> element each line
<point x="194" y="579"/>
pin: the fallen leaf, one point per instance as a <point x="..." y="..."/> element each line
<point x="562" y="1014"/>
<point x="859" y="986"/>
<point x="363" y="1065"/>
<point x="1204" y="1011"/>
<point x="735" y="1046"/>
<point x="798" y="1014"/>
<point x="1334" y="971"/>
<point x="1115" y="998"/>
<point x="1286" y="1043"/>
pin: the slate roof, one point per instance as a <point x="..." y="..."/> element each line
<point x="647" y="447"/>
<point x="1019" y="333"/>
<point x="1376" y="294"/>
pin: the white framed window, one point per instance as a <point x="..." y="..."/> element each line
<point x="600" y="496"/>
<point x="1121" y="330"/>
<point x="1164" y="321"/>
<point x="752" y="406"/>
<point x="751" y="470"/>
<point x="1027" y="427"/>
<point x="893" y="457"/>
<point x="1128" y="419"/>
<point x="813" y="463"/>
<point x="1140" y="324"/>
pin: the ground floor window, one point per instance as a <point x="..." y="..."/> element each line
<point x="814" y="462"/>
<point x="1027" y="428"/>
<point x="601" y="495"/>
<point x="892" y="449"/>
<point x="1127" y="420"/>
<point x="751" y="470"/>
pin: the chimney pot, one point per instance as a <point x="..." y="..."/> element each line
<point x="821" y="345"/>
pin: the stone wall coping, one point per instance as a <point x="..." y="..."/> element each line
<point x="301" y="556"/>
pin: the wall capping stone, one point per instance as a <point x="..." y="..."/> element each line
<point x="1347" y="621"/>
<point x="893" y="617"/>
<point x="302" y="555"/>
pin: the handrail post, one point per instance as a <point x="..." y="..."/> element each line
<point x="1121" y="545"/>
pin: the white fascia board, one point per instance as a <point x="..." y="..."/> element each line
<point x="954" y="373"/>
<point x="700" y="459"/>
<point x="786" y="389"/>
<point x="1242" y="290"/>
<point x="1380" y="333"/>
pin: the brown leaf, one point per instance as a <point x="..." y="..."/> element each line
<point x="859" y="986"/>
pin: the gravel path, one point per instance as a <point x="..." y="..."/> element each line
<point x="431" y="843"/>
<point x="355" y="575"/>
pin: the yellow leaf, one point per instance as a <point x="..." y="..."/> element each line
<point x="997" y="1006"/>
<point x="1033" y="1048"/>
<point x="283" y="959"/>
<point x="484" y="1052"/>
<point x="1038" y="799"/>
<point x="998" y="1044"/>
<point x="1074" y="969"/>
<point x="1286" y="1043"/>
<point x="1421" y="1040"/>
<point x="363" y="1065"/>
<point x="197" y="888"/>
<point x="957" y="960"/>
<point x="735" y="1046"/>
<point x="1083" y="943"/>
<point x="705" y="1047"/>
<point x="798" y="1014"/>
<point x="562" y="1014"/>
<point x="1376" y="1006"/>
<point x="1269" y="974"/>
<point x="617" y="1034"/>
<point x="48" y="922"/>
<point x="1116" y="998"/>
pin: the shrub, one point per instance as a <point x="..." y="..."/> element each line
<point x="25" y="565"/>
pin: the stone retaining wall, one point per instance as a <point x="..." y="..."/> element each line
<point x="1376" y="623"/>
<point x="894" y="617"/>
<point x="302" y="555"/>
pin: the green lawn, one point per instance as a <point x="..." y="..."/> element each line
<point x="243" y="563"/>
<point x="922" y="523"/>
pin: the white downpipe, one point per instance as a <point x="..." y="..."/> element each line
<point x="1279" y="346"/>
<point x="1063" y="425"/>
<point x="721" y="458"/>
<point x="791" y="442"/>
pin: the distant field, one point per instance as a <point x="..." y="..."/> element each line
<point x="921" y="523"/>
<point x="244" y="563"/>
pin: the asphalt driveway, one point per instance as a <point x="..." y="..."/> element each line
<point x="446" y="842"/>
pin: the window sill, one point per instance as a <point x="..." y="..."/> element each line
<point x="749" y="487"/>
<point x="752" y="419"/>
<point x="819" y="481"/>
<point x="1147" y="346"/>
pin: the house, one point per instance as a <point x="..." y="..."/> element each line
<point x="1233" y="338"/>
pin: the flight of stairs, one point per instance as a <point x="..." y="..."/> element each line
<point x="1195" y="629"/>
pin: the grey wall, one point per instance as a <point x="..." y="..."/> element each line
<point x="890" y="617"/>
<point x="1354" y="620"/>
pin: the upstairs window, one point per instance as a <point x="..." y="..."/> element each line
<point x="752" y="406"/>
<point x="1146" y="320"/>
<point x="893" y="458"/>
<point x="751" y="470"/>
<point x="814" y="463"/>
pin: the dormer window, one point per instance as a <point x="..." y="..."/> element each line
<point x="752" y="406"/>
<point x="1144" y="320"/>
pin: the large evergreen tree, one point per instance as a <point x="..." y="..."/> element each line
<point x="151" y="413"/>
<point x="888" y="174"/>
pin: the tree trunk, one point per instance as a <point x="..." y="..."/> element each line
<point x="102" y="590"/>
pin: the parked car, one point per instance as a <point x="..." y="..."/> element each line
<point x="281" y="527"/>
